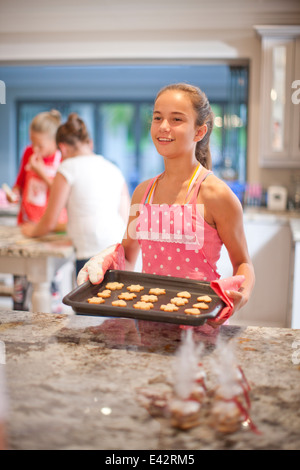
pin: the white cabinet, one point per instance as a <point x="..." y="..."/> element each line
<point x="294" y="319"/>
<point x="270" y="247"/>
<point x="279" y="105"/>
<point x="295" y="307"/>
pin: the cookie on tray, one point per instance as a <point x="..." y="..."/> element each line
<point x="149" y="298"/>
<point x="114" y="285"/>
<point x="201" y="305"/>
<point x="143" y="305"/>
<point x="178" y="301"/>
<point x="157" y="291"/>
<point x="127" y="296"/>
<point x="105" y="294"/>
<point x="204" y="298"/>
<point x="192" y="311"/>
<point x="169" y="308"/>
<point x="95" y="300"/>
<point x="184" y="295"/>
<point x="119" y="303"/>
<point x="135" y="288"/>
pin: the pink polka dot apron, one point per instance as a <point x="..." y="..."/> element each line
<point x="175" y="239"/>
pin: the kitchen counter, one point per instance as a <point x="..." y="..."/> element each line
<point x="36" y="258"/>
<point x="259" y="212"/>
<point x="14" y="244"/>
<point x="291" y="218"/>
<point x="74" y="382"/>
<point x="9" y="214"/>
<point x="9" y="209"/>
<point x="273" y="243"/>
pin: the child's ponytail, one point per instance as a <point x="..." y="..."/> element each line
<point x="73" y="131"/>
<point x="202" y="152"/>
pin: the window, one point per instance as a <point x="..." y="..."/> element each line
<point x="120" y="125"/>
<point x="120" y="132"/>
<point x="124" y="138"/>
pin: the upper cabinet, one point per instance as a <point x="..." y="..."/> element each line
<point x="280" y="96"/>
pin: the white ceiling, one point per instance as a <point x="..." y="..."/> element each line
<point x="36" y="16"/>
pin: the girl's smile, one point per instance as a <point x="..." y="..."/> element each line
<point x="164" y="140"/>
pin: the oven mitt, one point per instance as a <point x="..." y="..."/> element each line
<point x="112" y="257"/>
<point x="220" y="287"/>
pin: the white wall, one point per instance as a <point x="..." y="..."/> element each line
<point x="135" y="31"/>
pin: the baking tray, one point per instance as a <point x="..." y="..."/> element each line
<point x="77" y="299"/>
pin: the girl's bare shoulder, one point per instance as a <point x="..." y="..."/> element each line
<point x="214" y="192"/>
<point x="139" y="191"/>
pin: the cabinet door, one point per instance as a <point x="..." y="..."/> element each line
<point x="295" y="99"/>
<point x="277" y="77"/>
<point x="295" y="317"/>
<point x="279" y="123"/>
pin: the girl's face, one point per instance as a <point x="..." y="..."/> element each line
<point x="173" y="129"/>
<point x="42" y="144"/>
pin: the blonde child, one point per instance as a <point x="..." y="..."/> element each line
<point x="38" y="167"/>
<point x="93" y="190"/>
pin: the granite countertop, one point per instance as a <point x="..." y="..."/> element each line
<point x="13" y="243"/>
<point x="73" y="382"/>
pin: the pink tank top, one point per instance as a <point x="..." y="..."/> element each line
<point x="175" y="239"/>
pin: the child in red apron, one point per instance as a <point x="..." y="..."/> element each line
<point x="181" y="218"/>
<point x="32" y="187"/>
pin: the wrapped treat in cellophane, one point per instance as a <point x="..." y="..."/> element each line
<point x="231" y="403"/>
<point x="188" y="384"/>
<point x="180" y="397"/>
<point x="203" y="389"/>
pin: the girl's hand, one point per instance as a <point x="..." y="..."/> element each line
<point x="238" y="300"/>
<point x="12" y="195"/>
<point x="36" y="164"/>
<point x="28" y="229"/>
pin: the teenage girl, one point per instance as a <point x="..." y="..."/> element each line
<point x="189" y="197"/>
<point x="93" y="190"/>
<point x="32" y="187"/>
